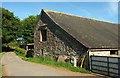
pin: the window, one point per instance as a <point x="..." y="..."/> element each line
<point x="43" y="35"/>
<point x="113" y="52"/>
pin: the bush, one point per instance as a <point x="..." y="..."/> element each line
<point x="20" y="51"/>
<point x="13" y="44"/>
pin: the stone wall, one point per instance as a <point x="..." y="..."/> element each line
<point x="59" y="42"/>
<point x="37" y="48"/>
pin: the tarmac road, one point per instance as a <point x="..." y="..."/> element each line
<point x="15" y="66"/>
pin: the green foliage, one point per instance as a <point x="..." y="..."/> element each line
<point x="27" y="28"/>
<point x="12" y="44"/>
<point x="57" y="64"/>
<point x="1" y="54"/>
<point x="10" y="26"/>
<point x="0" y="71"/>
<point x="20" y="51"/>
<point x="0" y="32"/>
<point x="13" y="27"/>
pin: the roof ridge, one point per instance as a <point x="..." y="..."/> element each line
<point x="93" y="19"/>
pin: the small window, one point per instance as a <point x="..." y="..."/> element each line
<point x="113" y="52"/>
<point x="43" y="35"/>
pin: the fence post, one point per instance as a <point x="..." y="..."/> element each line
<point x="91" y="63"/>
<point x="118" y="67"/>
<point x="108" y="65"/>
<point x="88" y="61"/>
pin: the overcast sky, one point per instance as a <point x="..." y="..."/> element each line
<point x="106" y="11"/>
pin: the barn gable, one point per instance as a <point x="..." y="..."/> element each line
<point x="64" y="34"/>
<point x="91" y="33"/>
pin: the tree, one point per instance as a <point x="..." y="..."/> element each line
<point x="10" y="26"/>
<point x="13" y="27"/>
<point x="27" y="29"/>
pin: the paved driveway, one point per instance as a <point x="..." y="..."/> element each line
<point x="15" y="66"/>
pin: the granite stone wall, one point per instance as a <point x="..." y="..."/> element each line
<point x="59" y="42"/>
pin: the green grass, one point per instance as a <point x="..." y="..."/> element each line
<point x="57" y="64"/>
<point x="1" y="54"/>
<point x="52" y="62"/>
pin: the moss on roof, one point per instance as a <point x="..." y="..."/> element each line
<point x="93" y="19"/>
<point x="91" y="33"/>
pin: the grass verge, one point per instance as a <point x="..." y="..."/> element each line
<point x="51" y="62"/>
<point x="1" y="54"/>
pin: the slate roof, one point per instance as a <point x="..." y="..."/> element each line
<point x="90" y="32"/>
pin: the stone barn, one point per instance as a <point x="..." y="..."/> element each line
<point x="58" y="34"/>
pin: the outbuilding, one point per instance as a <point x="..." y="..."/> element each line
<point x="58" y="33"/>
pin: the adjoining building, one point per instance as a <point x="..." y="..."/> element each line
<point x="57" y="33"/>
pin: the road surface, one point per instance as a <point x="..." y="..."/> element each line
<point x="15" y="66"/>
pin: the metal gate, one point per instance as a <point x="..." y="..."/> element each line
<point x="105" y="65"/>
